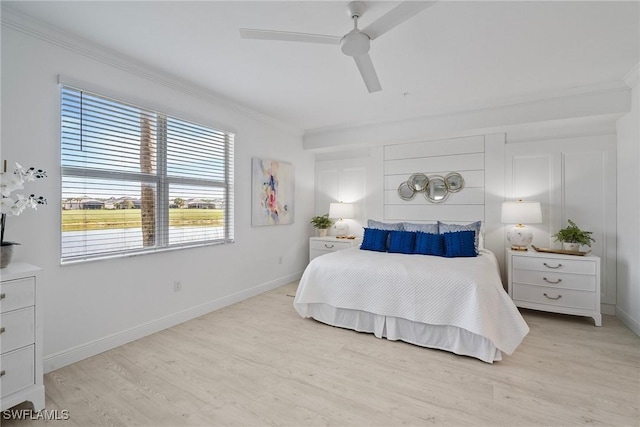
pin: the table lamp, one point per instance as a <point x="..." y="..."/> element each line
<point x="518" y="213"/>
<point x="341" y="211"/>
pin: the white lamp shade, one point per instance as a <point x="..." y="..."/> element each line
<point x="521" y="212"/>
<point x="341" y="210"/>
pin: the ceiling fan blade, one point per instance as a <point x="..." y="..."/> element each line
<point x="368" y="72"/>
<point x="247" y="33"/>
<point x="395" y="17"/>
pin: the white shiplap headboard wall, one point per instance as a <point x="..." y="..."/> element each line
<point x="463" y="155"/>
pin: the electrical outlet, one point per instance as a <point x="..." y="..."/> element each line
<point x="177" y="285"/>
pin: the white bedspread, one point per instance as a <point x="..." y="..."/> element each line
<point x="462" y="292"/>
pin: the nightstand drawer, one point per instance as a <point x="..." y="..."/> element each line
<point x="332" y="245"/>
<point x="17" y="294"/>
<point x="580" y="282"/>
<point x="17" y="329"/>
<point x="319" y="246"/>
<point x="17" y="370"/>
<point x="554" y="296"/>
<point x="553" y="264"/>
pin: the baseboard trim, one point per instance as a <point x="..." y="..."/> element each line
<point x="83" y="351"/>
<point x="609" y="309"/>
<point x="631" y="323"/>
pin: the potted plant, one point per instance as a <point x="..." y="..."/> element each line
<point x="572" y="237"/>
<point x="322" y="223"/>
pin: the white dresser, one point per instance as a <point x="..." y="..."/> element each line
<point x="553" y="282"/>
<point x="324" y="245"/>
<point x="21" y="375"/>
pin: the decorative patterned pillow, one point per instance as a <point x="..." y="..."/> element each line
<point x="474" y="226"/>
<point x="460" y="244"/>
<point x="425" y="228"/>
<point x="429" y="244"/>
<point x="389" y="226"/>
<point x="401" y="242"/>
<point x="374" y="240"/>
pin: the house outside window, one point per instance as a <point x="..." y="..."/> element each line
<point x="136" y="180"/>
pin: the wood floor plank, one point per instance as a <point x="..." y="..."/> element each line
<point x="257" y="363"/>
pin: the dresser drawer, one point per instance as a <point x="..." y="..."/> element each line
<point x="17" y="294"/>
<point x="554" y="297"/>
<point x="582" y="266"/>
<point x="17" y="369"/>
<point x="581" y="282"/>
<point x="17" y="329"/>
<point x="329" y="245"/>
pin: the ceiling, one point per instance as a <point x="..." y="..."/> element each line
<point x="454" y="56"/>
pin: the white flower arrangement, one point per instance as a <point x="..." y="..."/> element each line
<point x="14" y="205"/>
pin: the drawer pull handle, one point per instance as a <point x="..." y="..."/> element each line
<point x="558" y="297"/>
<point x="549" y="266"/>
<point x="2" y="329"/>
<point x="3" y="295"/>
<point x="2" y="373"/>
<point x="328" y="246"/>
<point x="551" y="281"/>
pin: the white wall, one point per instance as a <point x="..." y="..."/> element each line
<point x="540" y="162"/>
<point x="94" y="306"/>
<point x="350" y="177"/>
<point x="572" y="178"/>
<point x="462" y="155"/>
<point x="628" y="129"/>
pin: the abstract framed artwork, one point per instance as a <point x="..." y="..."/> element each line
<point x="272" y="192"/>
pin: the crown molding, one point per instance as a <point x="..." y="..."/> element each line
<point x="609" y="102"/>
<point x="633" y="77"/>
<point x="513" y="102"/>
<point x="28" y="25"/>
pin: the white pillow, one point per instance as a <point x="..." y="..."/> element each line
<point x="424" y="228"/>
<point x="388" y="226"/>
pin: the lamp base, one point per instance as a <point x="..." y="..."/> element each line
<point x="519" y="237"/>
<point x="342" y="228"/>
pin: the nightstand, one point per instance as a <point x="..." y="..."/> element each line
<point x="21" y="377"/>
<point x="557" y="283"/>
<point x="324" y="245"/>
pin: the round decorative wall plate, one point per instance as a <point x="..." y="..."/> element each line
<point x="436" y="189"/>
<point x="454" y="182"/>
<point x="418" y="182"/>
<point x="406" y="192"/>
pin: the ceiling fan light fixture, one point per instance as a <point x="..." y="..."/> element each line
<point x="355" y="43"/>
<point x="355" y="9"/>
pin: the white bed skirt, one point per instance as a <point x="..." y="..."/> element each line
<point x="442" y="337"/>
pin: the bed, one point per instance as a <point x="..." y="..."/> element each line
<point x="452" y="304"/>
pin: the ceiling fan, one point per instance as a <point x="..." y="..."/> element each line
<point x="356" y="42"/>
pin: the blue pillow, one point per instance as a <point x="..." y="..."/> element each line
<point x="460" y="244"/>
<point x="401" y="242"/>
<point x="425" y="228"/>
<point x="374" y="240"/>
<point x="429" y="244"/>
<point x="389" y="226"/>
<point x="475" y="226"/>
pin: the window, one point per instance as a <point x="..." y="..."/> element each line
<point x="136" y="180"/>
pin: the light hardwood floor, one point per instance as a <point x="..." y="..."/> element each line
<point x="258" y="363"/>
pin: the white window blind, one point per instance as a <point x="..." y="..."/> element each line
<point x="136" y="180"/>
